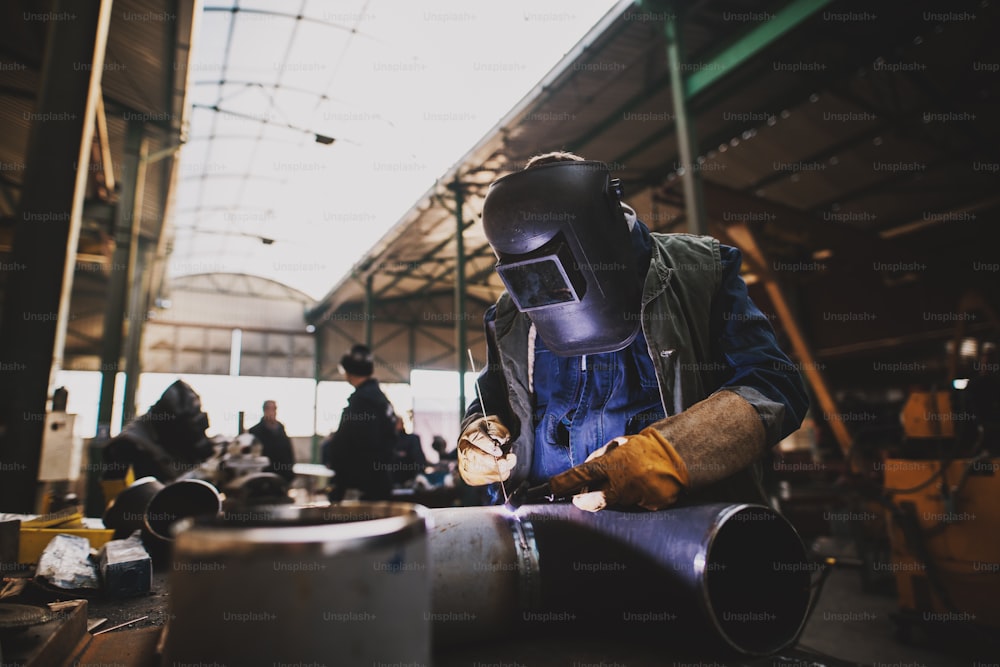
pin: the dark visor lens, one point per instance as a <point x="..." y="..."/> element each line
<point x="543" y="279"/>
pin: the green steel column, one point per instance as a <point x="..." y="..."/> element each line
<point x="36" y="306"/>
<point x="317" y="376"/>
<point x="460" y="333"/>
<point x="369" y="309"/>
<point x="412" y="348"/>
<point x="138" y="279"/>
<point x="126" y="233"/>
<point x="687" y="143"/>
<point x="138" y="307"/>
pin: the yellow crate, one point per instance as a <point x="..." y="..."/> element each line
<point x="34" y="540"/>
<point x="64" y="518"/>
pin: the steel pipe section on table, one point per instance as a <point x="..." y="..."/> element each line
<point x="376" y="582"/>
<point x="340" y="585"/>
<point x="714" y="575"/>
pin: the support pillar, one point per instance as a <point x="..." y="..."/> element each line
<point x="461" y="344"/>
<point x="126" y="234"/>
<point x="317" y="376"/>
<point x="687" y="142"/>
<point x="138" y="307"/>
<point x="369" y="310"/>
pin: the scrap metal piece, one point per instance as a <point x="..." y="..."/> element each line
<point x="20" y="616"/>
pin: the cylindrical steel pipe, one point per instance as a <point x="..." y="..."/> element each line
<point x="732" y="575"/>
<point x="153" y="508"/>
<point x="128" y="511"/>
<point x="179" y="500"/>
<point x="339" y="585"/>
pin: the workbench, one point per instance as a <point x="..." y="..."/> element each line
<point x="135" y="645"/>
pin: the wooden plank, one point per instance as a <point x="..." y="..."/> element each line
<point x="129" y="648"/>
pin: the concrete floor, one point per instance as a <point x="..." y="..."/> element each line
<point x="858" y="627"/>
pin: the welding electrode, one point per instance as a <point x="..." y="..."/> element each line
<point x="486" y="429"/>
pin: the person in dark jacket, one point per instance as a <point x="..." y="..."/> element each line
<point x="277" y="446"/>
<point x="408" y="458"/>
<point x="627" y="369"/>
<point x="360" y="451"/>
<point x="166" y="442"/>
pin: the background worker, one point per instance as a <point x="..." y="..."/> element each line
<point x="277" y="446"/>
<point x="360" y="451"/>
<point x="408" y="458"/>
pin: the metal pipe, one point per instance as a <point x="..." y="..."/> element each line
<point x="179" y="500"/>
<point x="153" y="508"/>
<point x="715" y="575"/>
<point x="722" y="578"/>
<point x="340" y="585"/>
<point x="128" y="511"/>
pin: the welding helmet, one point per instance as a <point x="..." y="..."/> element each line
<point x="181" y="423"/>
<point x="565" y="255"/>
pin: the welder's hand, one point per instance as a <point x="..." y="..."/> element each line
<point x="595" y="501"/>
<point x="641" y="470"/>
<point x="480" y="457"/>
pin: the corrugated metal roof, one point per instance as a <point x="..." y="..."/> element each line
<point x="144" y="79"/>
<point x="844" y="131"/>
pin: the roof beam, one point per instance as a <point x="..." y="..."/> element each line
<point x="287" y="15"/>
<point x="724" y="62"/>
<point x="746" y="238"/>
<point x="755" y="41"/>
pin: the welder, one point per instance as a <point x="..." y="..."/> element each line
<point x="626" y="369"/>
<point x="166" y="442"/>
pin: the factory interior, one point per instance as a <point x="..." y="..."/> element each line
<point x="210" y="206"/>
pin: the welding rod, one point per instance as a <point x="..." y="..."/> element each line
<point x="484" y="427"/>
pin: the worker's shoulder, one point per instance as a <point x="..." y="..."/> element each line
<point x="368" y="395"/>
<point x="682" y="248"/>
<point x="683" y="240"/>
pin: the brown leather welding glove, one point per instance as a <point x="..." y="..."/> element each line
<point x="641" y="470"/>
<point x="481" y="460"/>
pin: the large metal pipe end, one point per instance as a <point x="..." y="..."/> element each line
<point x="127" y="512"/>
<point x="756" y="581"/>
<point x="346" y="584"/>
<point x="179" y="500"/>
<point x="714" y="574"/>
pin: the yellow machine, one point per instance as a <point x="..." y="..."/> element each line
<point x="927" y="414"/>
<point x="944" y="519"/>
<point x="945" y="538"/>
